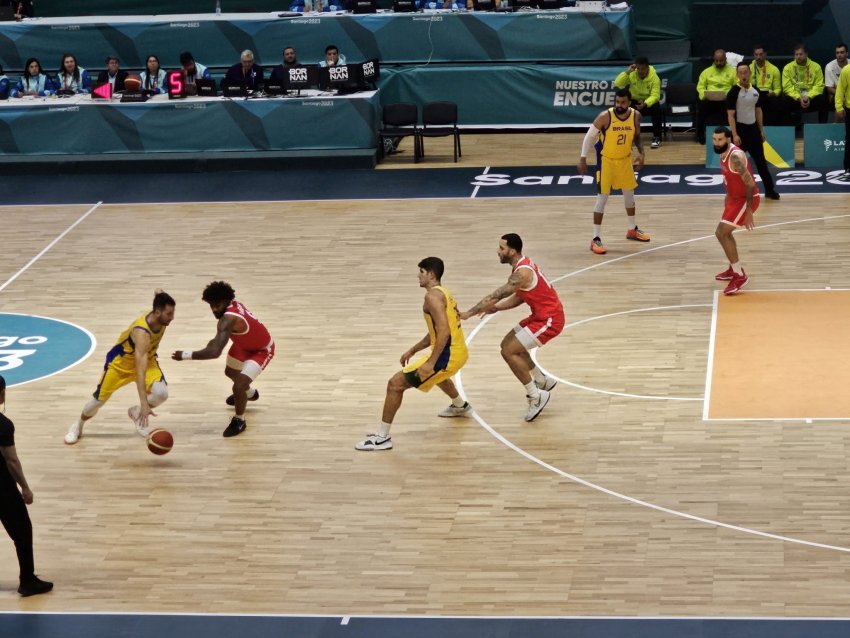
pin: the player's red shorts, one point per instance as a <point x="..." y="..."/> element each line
<point x="733" y="213"/>
<point x="261" y="357"/>
<point x="536" y="331"/>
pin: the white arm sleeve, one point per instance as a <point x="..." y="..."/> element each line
<point x="589" y="140"/>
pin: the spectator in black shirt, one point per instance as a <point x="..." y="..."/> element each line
<point x="13" y="506"/>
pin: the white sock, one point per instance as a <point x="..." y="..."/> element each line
<point x="632" y="224"/>
<point x="384" y="431"/>
<point x="537" y="375"/>
<point x="458" y="402"/>
<point x="531" y="390"/>
<point x="241" y="417"/>
<point x="251" y="392"/>
<point x="737" y="269"/>
<point x="597" y="231"/>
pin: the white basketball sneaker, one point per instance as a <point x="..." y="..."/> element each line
<point x="133" y="414"/>
<point x="374" y="442"/>
<point x="536" y="407"/>
<point x="75" y="433"/>
<point x="453" y="411"/>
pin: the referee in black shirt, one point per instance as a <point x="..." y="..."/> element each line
<point x="744" y="108"/>
<point x="13" y="505"/>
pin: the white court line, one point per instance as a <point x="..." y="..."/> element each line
<point x="710" y="367"/>
<point x="628" y="395"/>
<point x="49" y="246"/>
<point x="477" y="186"/>
<point x="746" y="530"/>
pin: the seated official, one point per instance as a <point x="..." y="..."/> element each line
<point x="802" y="83"/>
<point x="193" y="71"/>
<point x="153" y="77"/>
<point x="246" y="72"/>
<point x="332" y="57"/>
<point x="34" y="81"/>
<point x="114" y="74"/>
<point x="5" y="85"/>
<point x="289" y="60"/>
<point x="645" y="87"/>
<point x="718" y="77"/>
<point x="832" y="72"/>
<point x="71" y="77"/>
<point x="767" y="78"/>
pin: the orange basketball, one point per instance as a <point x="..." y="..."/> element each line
<point x="132" y="83"/>
<point x="160" y="441"/>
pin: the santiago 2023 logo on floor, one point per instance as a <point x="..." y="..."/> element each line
<point x="33" y="347"/>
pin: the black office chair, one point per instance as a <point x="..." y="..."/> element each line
<point x="681" y="102"/>
<point x="399" y="119"/>
<point x="439" y="119"/>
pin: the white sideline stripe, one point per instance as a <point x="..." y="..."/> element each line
<point x="49" y="246"/>
<point x="709" y="369"/>
<point x="746" y="530"/>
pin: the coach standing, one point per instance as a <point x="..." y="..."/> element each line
<point x="13" y="506"/>
<point x="743" y="107"/>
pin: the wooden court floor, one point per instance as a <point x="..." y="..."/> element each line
<point x="458" y="518"/>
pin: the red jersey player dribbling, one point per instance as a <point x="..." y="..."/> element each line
<point x="525" y="285"/>
<point x="252" y="349"/>
<point x="742" y="200"/>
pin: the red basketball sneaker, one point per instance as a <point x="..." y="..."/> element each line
<point x="737" y="282"/>
<point x="726" y="275"/>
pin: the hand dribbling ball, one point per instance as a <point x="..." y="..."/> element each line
<point x="160" y="441"/>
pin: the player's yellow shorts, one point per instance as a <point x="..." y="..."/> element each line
<point x="454" y="364"/>
<point x="116" y="377"/>
<point x="616" y="174"/>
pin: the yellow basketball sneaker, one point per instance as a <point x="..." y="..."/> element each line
<point x="637" y="234"/>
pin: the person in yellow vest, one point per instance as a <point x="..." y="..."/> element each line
<point x="767" y="78"/>
<point x="842" y="104"/>
<point x="803" y="86"/>
<point x="713" y="85"/>
<point x="645" y="86"/>
<point x="448" y="355"/>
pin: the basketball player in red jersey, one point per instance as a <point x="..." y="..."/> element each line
<point x="742" y="200"/>
<point x="525" y="285"/>
<point x="251" y="352"/>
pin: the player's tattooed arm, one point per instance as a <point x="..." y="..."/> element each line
<point x="517" y="280"/>
<point x="738" y="162"/>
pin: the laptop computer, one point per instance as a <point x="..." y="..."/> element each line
<point x="715" y="96"/>
<point x="404" y="6"/>
<point x="230" y="89"/>
<point x="364" y="6"/>
<point x="7" y="13"/>
<point x="483" y="5"/>
<point x="205" y="88"/>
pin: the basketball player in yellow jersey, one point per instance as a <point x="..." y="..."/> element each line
<point x="133" y="358"/>
<point x="619" y="128"/>
<point x="448" y="354"/>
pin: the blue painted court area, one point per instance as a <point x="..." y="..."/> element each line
<point x="36" y="625"/>
<point x="420" y="183"/>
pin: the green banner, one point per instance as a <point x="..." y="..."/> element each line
<point x="778" y="149"/>
<point x="534" y="36"/>
<point x="823" y="145"/>
<point x="500" y="94"/>
<point x="83" y="126"/>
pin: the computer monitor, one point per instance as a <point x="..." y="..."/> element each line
<point x="483" y="5"/>
<point x="516" y="5"/>
<point x="350" y="78"/>
<point x="234" y="89"/>
<point x="404" y="6"/>
<point x="364" y="6"/>
<point x="302" y="76"/>
<point x="547" y="5"/>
